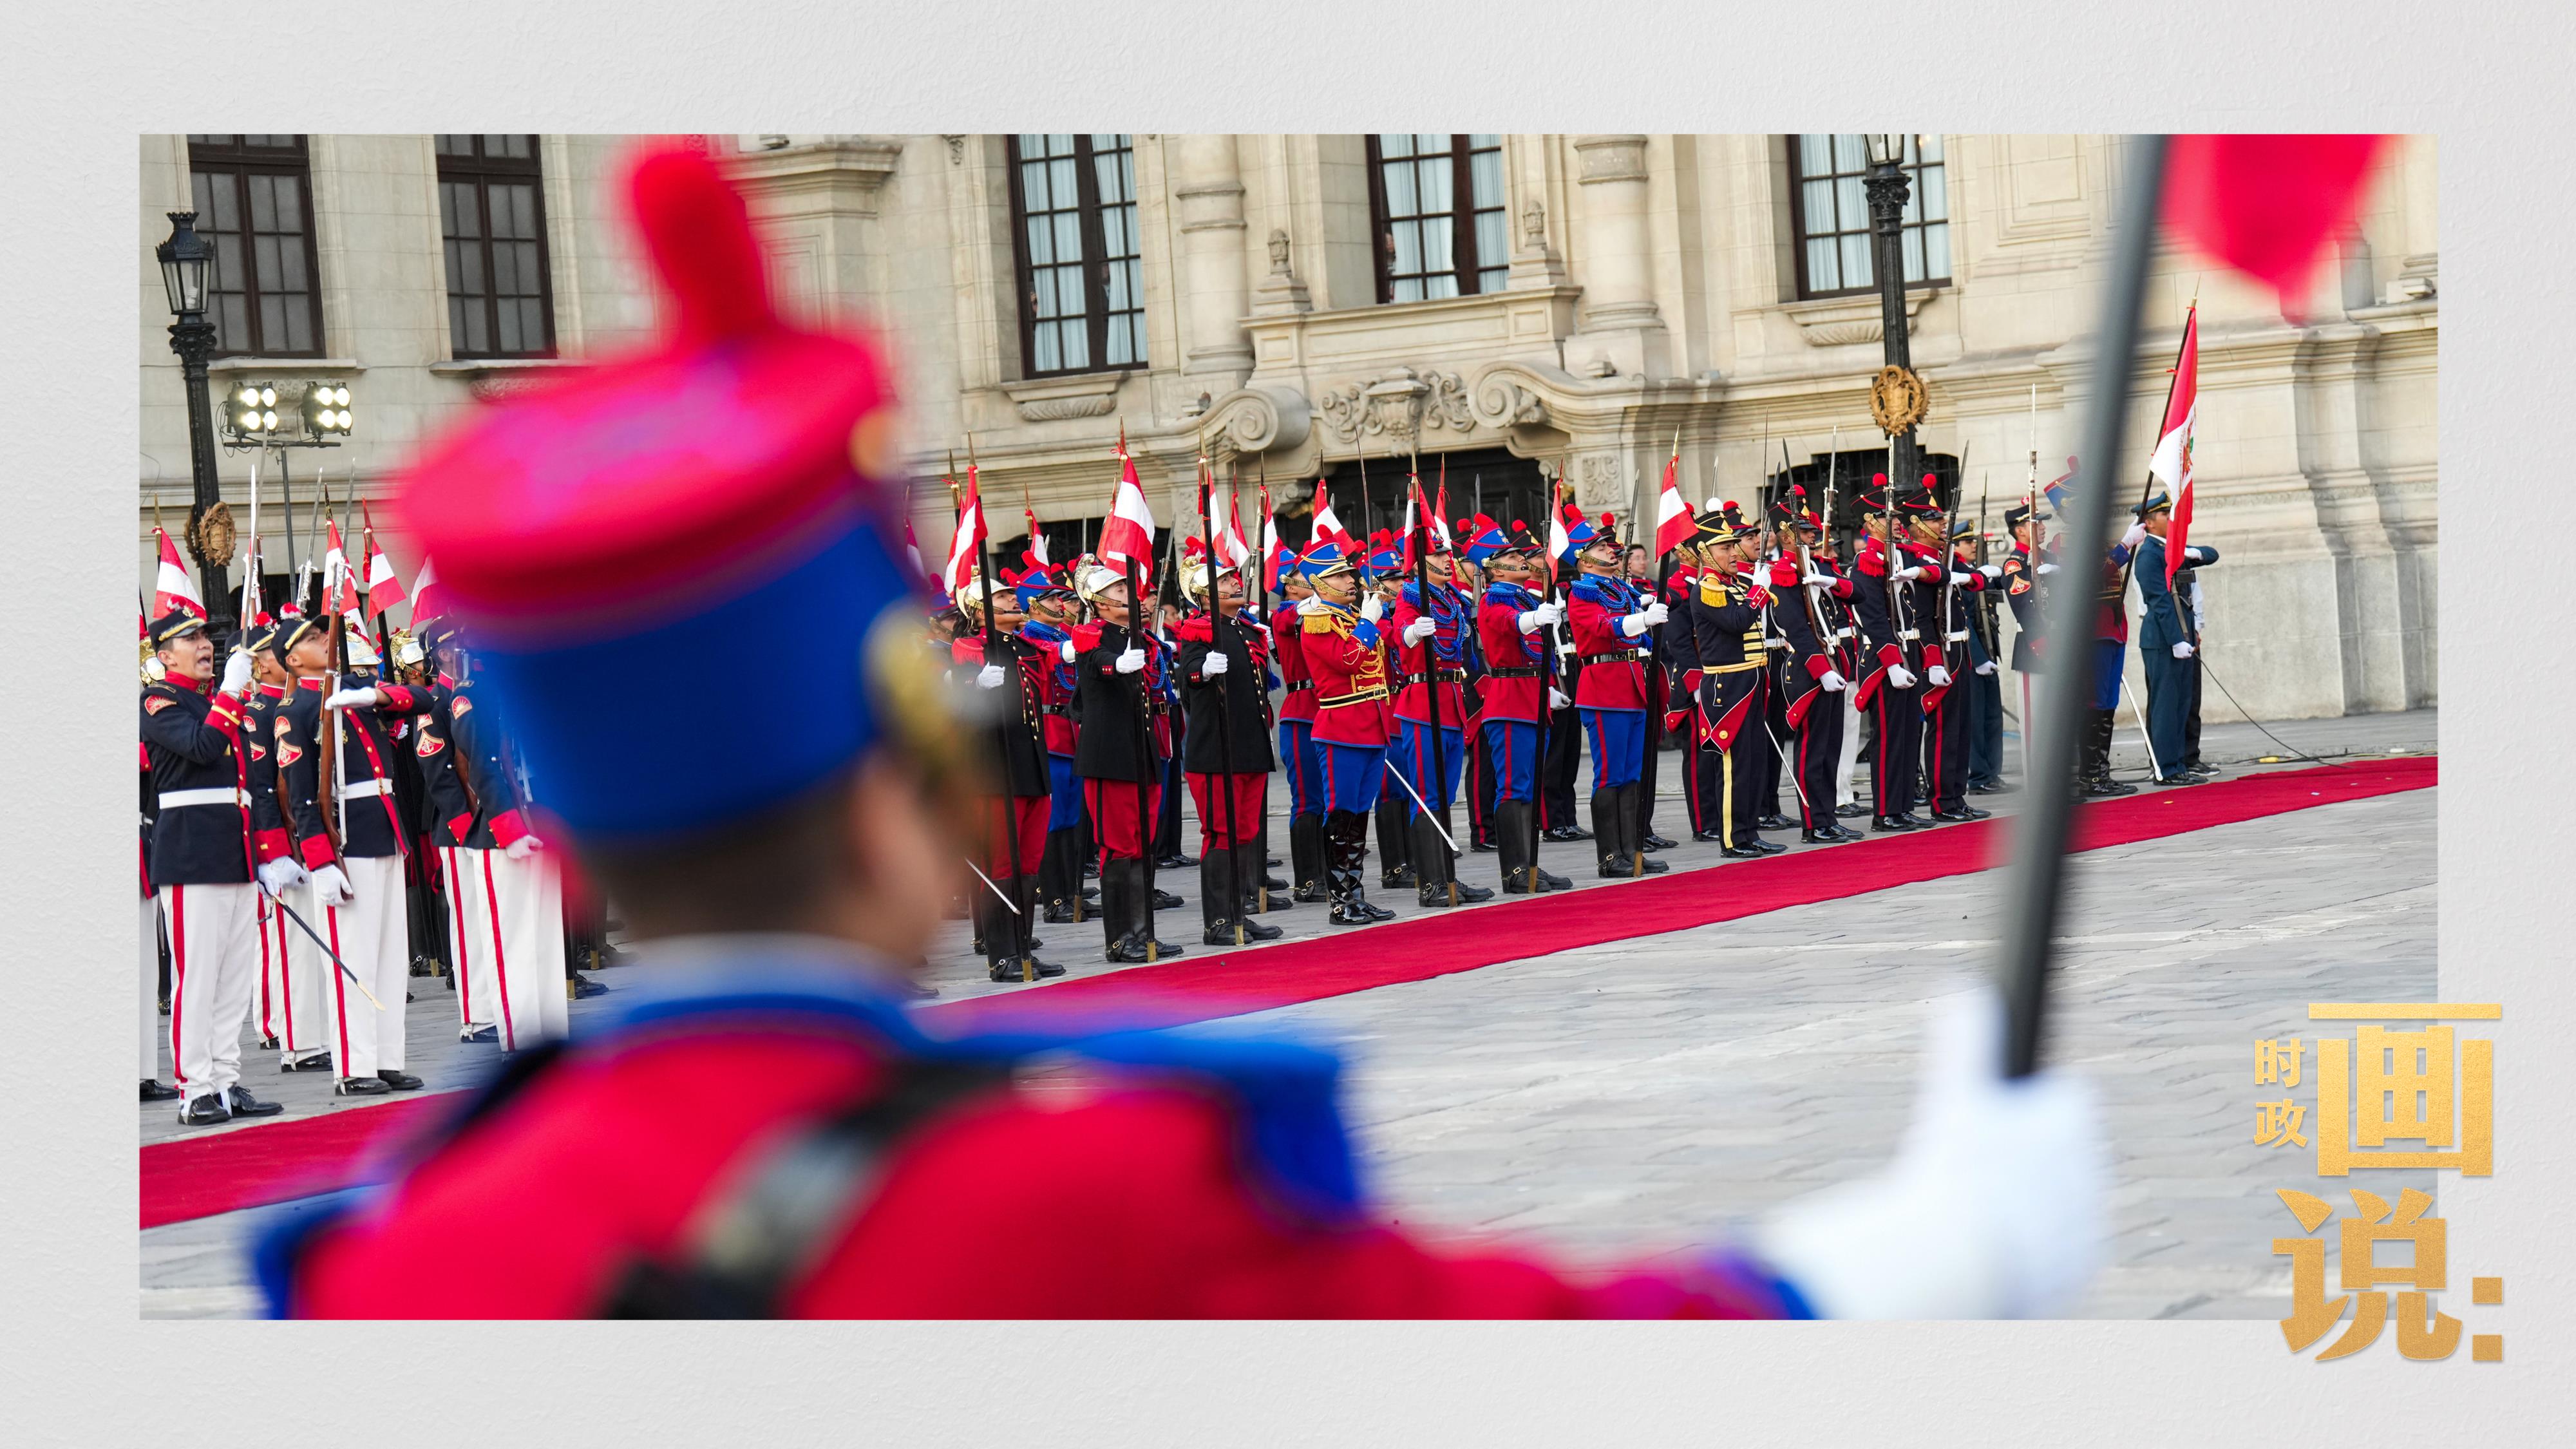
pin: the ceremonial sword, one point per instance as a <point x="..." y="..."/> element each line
<point x="307" y="927"/>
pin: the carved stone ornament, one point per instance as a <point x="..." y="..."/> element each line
<point x="1897" y="399"/>
<point x="1278" y="252"/>
<point x="1257" y="419"/>
<point x="1396" y="403"/>
<point x="1596" y="484"/>
<point x="956" y="149"/>
<point x="1502" y="402"/>
<point x="1534" y="225"/>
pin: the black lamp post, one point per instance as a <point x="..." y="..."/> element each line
<point x="187" y="265"/>
<point x="1887" y="187"/>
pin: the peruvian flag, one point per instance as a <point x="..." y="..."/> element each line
<point x="384" y="587"/>
<point x="911" y="554"/>
<point x="428" y="599"/>
<point x="1274" y="554"/>
<point x="172" y="588"/>
<point x="1440" y="511"/>
<point x="1558" y="540"/>
<point x="1328" y="525"/>
<point x="967" y="544"/>
<point x="1037" y="538"/>
<point x="339" y="583"/>
<point x="2267" y="206"/>
<point x="2172" y="463"/>
<point x="1413" y="507"/>
<point x="1231" y="550"/>
<point x="1673" y="522"/>
<point x="1128" y="536"/>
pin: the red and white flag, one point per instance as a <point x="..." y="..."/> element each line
<point x="2267" y="205"/>
<point x="172" y="588"/>
<point x="1673" y="522"/>
<point x="428" y="598"/>
<point x="912" y="555"/>
<point x="1440" y="511"/>
<point x="384" y="586"/>
<point x="1128" y="536"/>
<point x="1037" y="537"/>
<point x="1231" y="550"/>
<point x="1274" y="554"/>
<point x="2172" y="462"/>
<point x="1328" y="525"/>
<point x="339" y="581"/>
<point x="1558" y="540"/>
<point x="967" y="544"/>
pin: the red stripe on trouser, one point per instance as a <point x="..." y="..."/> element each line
<point x="464" y="969"/>
<point x="259" y="923"/>
<point x="1879" y="766"/>
<point x="500" y="955"/>
<point x="339" y="992"/>
<point x="1806" y="806"/>
<point x="178" y="979"/>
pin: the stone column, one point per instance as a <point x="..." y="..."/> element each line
<point x="1208" y="195"/>
<point x="1621" y="332"/>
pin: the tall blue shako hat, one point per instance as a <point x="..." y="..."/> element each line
<point x="735" y="484"/>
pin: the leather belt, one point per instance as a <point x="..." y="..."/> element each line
<point x="1297" y="686"/>
<point x="1516" y="671"/>
<point x="226" y="795"/>
<point x="1955" y="635"/>
<point x="361" y="789"/>
<point x="1446" y="676"/>
<point x="1734" y="668"/>
<point x="1355" y="697"/>
<point x="1909" y="633"/>
<point x="1615" y="656"/>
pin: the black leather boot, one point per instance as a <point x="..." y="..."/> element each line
<point x="1467" y="894"/>
<point x="1117" y="922"/>
<point x="1216" y="913"/>
<point x="1430" y="864"/>
<point x="1632" y="828"/>
<point x="1345" y="850"/>
<point x="1606" y="838"/>
<point x="1306" y="857"/>
<point x="1512" y="843"/>
<point x="1247" y="864"/>
<point x="1394" y="842"/>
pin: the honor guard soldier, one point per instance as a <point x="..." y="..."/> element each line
<point x="1884" y="599"/>
<point x="1516" y="627"/>
<point x="1726" y="625"/>
<point x="1985" y="683"/>
<point x="1431" y="646"/>
<point x="203" y="861"/>
<point x="1610" y="623"/>
<point x="2110" y="659"/>
<point x="1120" y="764"/>
<point x="2026" y="589"/>
<point x="1225" y="747"/>
<point x="2169" y="645"/>
<point x="1338" y="625"/>
<point x="1394" y="811"/>
<point x="1948" y="596"/>
<point x="834" y="1160"/>
<point x="1046" y="597"/>
<point x="1808" y="596"/>
<point x="1008" y="672"/>
<point x="1298" y="754"/>
<point x="280" y="1028"/>
<point x="336" y="787"/>
<point x="461" y="832"/>
<point x="1678" y="641"/>
<point x="1775" y="665"/>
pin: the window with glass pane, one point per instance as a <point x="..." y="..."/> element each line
<point x="492" y="225"/>
<point x="1829" y="208"/>
<point x="1081" y="262"/>
<point x="254" y="200"/>
<point x="1440" y="216"/>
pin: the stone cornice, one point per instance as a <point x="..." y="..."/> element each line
<point x="1838" y="321"/>
<point x="1054" y="399"/>
<point x="856" y="165"/>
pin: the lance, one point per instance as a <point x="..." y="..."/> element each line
<point x="1949" y="561"/>
<point x="1367" y="526"/>
<point x="1001" y="736"/>
<point x="1420" y="543"/>
<point x="1144" y="741"/>
<point x="250" y="555"/>
<point x="1261" y="548"/>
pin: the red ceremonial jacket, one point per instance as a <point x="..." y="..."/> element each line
<point x="1614" y="671"/>
<point x="1349" y="664"/>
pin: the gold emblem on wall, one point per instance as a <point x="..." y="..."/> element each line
<point x="1897" y="399"/>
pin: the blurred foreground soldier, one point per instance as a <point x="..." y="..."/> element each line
<point x="833" y="1160"/>
<point x="2169" y="645"/>
<point x="203" y="859"/>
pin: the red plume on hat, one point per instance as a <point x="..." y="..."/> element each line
<point x="699" y="234"/>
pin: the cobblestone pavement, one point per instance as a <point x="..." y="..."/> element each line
<point x="1618" y="1099"/>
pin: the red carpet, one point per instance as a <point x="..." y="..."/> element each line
<point x="200" y="1176"/>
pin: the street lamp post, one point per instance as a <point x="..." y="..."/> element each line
<point x="1887" y="187"/>
<point x="187" y="264"/>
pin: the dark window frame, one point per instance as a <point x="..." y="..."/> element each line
<point x="480" y="171"/>
<point x="1467" y="266"/>
<point x="231" y="157"/>
<point x="1093" y="268"/>
<point x="1799" y="235"/>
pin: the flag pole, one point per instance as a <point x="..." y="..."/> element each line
<point x="2037" y="884"/>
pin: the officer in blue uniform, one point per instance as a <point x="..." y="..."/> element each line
<point x="2169" y="645"/>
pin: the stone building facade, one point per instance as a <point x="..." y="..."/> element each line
<point x="1511" y="306"/>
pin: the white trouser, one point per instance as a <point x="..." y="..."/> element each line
<point x="373" y="936"/>
<point x="525" y="899"/>
<point x="1850" y="761"/>
<point x="469" y="937"/>
<point x="214" y="971"/>
<point x="151" y="992"/>
<point x="268" y="1010"/>
<point x="304" y="1015"/>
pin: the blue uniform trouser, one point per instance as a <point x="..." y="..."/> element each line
<point x="2110" y="656"/>
<point x="1352" y="776"/>
<point x="1618" y="739"/>
<point x="1304" y="761"/>
<point x="1414" y="755"/>
<point x="1985" y="727"/>
<point x="2169" y="700"/>
<point x="1064" y="794"/>
<point x="1514" y="745"/>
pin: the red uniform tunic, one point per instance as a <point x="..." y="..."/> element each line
<point x="1515" y="686"/>
<point x="1349" y="666"/>
<point x="1449" y="617"/>
<point x="1614" y="671"/>
<point x="1288" y="638"/>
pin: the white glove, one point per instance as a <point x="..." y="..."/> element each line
<point x="1373" y="608"/>
<point x="1311" y="605"/>
<point x="278" y="874"/>
<point x="351" y="699"/>
<point x="1937" y="674"/>
<point x="1831" y="681"/>
<point x="1635" y="624"/>
<point x="1993" y="1208"/>
<point x="2182" y="649"/>
<point x="331" y="887"/>
<point x="1420" y="629"/>
<point x="1819" y="578"/>
<point x="523" y="847"/>
<point x="1066" y="652"/>
<point x="2046" y="569"/>
<point x="1212" y="666"/>
<point x="1991" y="571"/>
<point x="989" y="677"/>
<point x="1131" y="661"/>
<point x="1964" y="577"/>
<point x="1656" y="612"/>
<point x="1900" y="676"/>
<point x="2196" y="554"/>
<point x="236" y="673"/>
<point x="1554" y="611"/>
<point x="1533" y="620"/>
<point x="2130" y="539"/>
<point x="1986" y="668"/>
<point x="1556" y="698"/>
